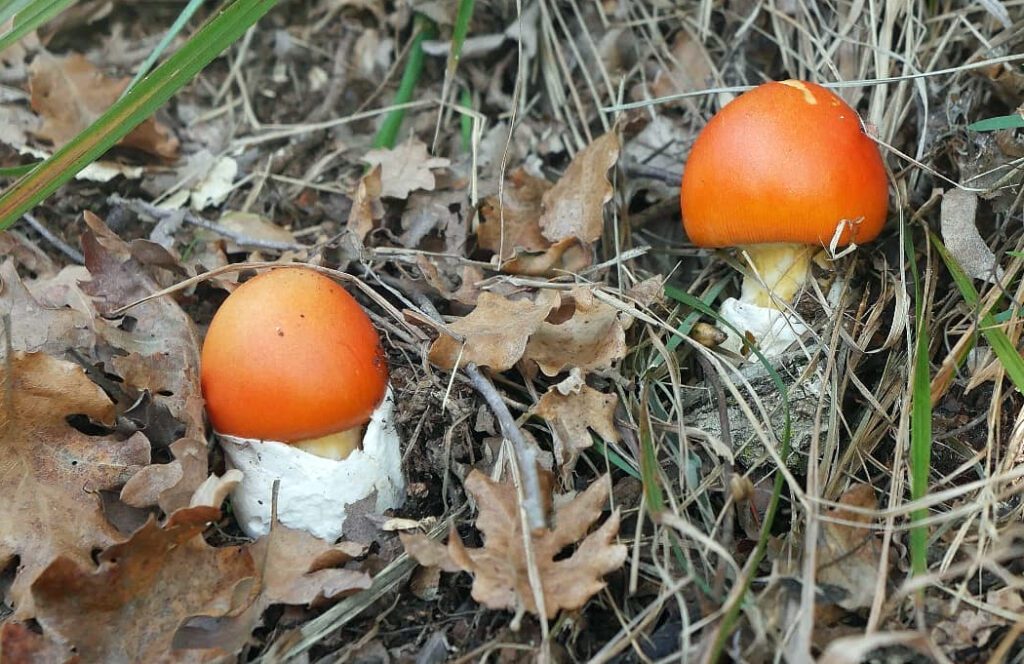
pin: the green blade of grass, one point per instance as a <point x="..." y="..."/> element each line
<point x="649" y="460"/>
<point x="1001" y="345"/>
<point x="16" y="171"/>
<point x="28" y="15"/>
<point x="179" y="24"/>
<point x="130" y="110"/>
<point x="920" y="420"/>
<point x="1002" y="122"/>
<point x="388" y="132"/>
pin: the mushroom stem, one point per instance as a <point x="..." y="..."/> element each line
<point x="336" y="446"/>
<point x="777" y="272"/>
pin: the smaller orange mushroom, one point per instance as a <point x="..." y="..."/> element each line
<point x="290" y="356"/>
<point x="780" y="172"/>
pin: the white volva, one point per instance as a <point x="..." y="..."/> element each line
<point x="315" y="492"/>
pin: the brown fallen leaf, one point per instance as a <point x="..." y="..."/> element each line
<point x="159" y="351"/>
<point x="572" y="415"/>
<point x="511" y="223"/>
<point x="849" y="553"/>
<point x="593" y="338"/>
<point x="169" y="485"/>
<point x="70" y="93"/>
<point x="294" y="568"/>
<point x="36" y="327"/>
<point x="574" y="207"/>
<point x="20" y="645"/>
<point x="50" y="472"/>
<point x="405" y="168"/>
<point x="495" y="333"/>
<point x="129" y="608"/>
<point x="500" y="575"/>
<point x="566" y="256"/>
<point x="366" y="205"/>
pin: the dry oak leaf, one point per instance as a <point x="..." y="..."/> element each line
<point x="849" y="553"/>
<point x="70" y="93"/>
<point x="159" y="352"/>
<point x="511" y="222"/>
<point x="571" y="415"/>
<point x="593" y="338"/>
<point x="36" y="327"/>
<point x="295" y="568"/>
<point x="406" y="168"/>
<point x="574" y="207"/>
<point x="129" y="608"/>
<point x="500" y="575"/>
<point x="51" y="473"/>
<point x="495" y="333"/>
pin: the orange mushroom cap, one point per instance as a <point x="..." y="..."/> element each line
<point x="289" y="356"/>
<point x="785" y="162"/>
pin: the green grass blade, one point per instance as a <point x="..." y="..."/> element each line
<point x="1001" y="345"/>
<point x="28" y="16"/>
<point x="127" y="112"/>
<point x="649" y="460"/>
<point x="10" y="8"/>
<point x="459" y="33"/>
<point x="16" y="171"/>
<point x="179" y="24"/>
<point x="1002" y="122"/>
<point x="920" y="420"/>
<point x="388" y="132"/>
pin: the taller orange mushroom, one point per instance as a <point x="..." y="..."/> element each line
<point x="290" y="356"/>
<point x="780" y="172"/>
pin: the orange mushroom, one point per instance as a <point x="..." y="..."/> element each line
<point x="781" y="172"/>
<point x="290" y="356"/>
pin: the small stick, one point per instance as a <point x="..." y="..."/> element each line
<point x="59" y="244"/>
<point x="156" y="212"/>
<point x="526" y="454"/>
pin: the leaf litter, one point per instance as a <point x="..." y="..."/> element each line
<point x="553" y="286"/>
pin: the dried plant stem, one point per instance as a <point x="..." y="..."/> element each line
<point x="50" y="237"/>
<point x="526" y="454"/>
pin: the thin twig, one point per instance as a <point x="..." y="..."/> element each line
<point x="59" y="244"/>
<point x="526" y="454"/>
<point x="142" y="207"/>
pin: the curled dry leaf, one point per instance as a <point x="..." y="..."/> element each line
<point x="566" y="256"/>
<point x="511" y="222"/>
<point x="366" y="205"/>
<point x="961" y="236"/>
<point x="499" y="569"/>
<point x="570" y="417"/>
<point x="574" y="207"/>
<point x="50" y="473"/>
<point x="169" y="485"/>
<point x="69" y="93"/>
<point x="495" y="333"/>
<point x="849" y="552"/>
<point x="593" y="338"/>
<point x="129" y="608"/>
<point x="405" y="168"/>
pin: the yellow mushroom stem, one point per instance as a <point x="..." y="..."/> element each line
<point x="336" y="446"/>
<point x="775" y="272"/>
